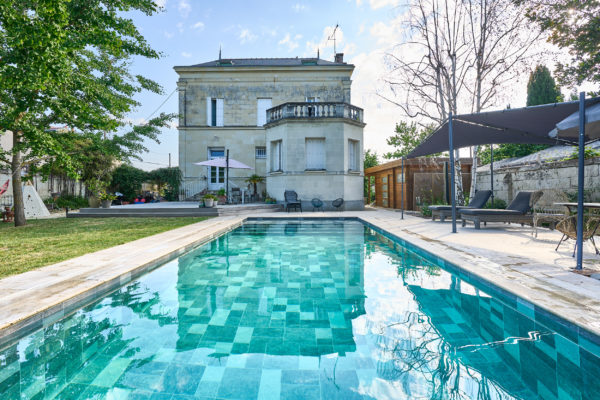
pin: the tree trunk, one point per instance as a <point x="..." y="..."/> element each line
<point x="17" y="184"/>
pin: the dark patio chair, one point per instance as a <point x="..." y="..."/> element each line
<point x="338" y="203"/>
<point x="317" y="204"/>
<point x="291" y="200"/>
<point x="517" y="211"/>
<point x="442" y="211"/>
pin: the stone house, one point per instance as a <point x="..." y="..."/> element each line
<point x="290" y="119"/>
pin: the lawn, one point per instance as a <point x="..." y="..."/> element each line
<point x="48" y="241"/>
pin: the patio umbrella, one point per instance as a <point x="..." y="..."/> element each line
<point x="579" y="128"/>
<point x="224" y="162"/>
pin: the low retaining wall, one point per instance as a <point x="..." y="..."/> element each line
<point x="561" y="175"/>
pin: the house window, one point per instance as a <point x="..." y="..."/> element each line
<point x="262" y="105"/>
<point x="216" y="177"/>
<point x="261" y="152"/>
<point x="214" y="111"/>
<point x="353" y="155"/>
<point x="276" y="155"/>
<point x="315" y="153"/>
<point x="311" y="109"/>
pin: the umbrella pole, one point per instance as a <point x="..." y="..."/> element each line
<point x="452" y="173"/>
<point x="227" y="178"/>
<point x="580" y="180"/>
<point x="491" y="172"/>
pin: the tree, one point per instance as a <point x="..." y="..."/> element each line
<point x="458" y="55"/>
<point x="65" y="62"/>
<point x="371" y="160"/>
<point x="128" y="180"/>
<point x="541" y="89"/>
<point x="407" y="138"/>
<point x="167" y="180"/>
<point x="573" y="25"/>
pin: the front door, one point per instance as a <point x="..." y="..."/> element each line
<point x="216" y="175"/>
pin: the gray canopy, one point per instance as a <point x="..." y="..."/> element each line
<point x="517" y="125"/>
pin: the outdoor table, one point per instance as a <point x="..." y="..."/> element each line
<point x="572" y="206"/>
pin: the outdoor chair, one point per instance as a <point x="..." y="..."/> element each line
<point x="338" y="203"/>
<point x="517" y="211"/>
<point x="568" y="227"/>
<point x="442" y="211"/>
<point x="317" y="204"/>
<point x="291" y="200"/>
<point x="546" y="212"/>
<point x="236" y="195"/>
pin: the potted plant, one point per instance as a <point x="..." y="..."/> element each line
<point x="254" y="179"/>
<point x="106" y="198"/>
<point x="209" y="200"/>
<point x="221" y="196"/>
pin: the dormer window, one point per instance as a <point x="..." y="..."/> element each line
<point x="309" y="62"/>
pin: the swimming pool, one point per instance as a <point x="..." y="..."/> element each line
<point x="306" y="310"/>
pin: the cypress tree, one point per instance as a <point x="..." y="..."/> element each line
<point x="541" y="88"/>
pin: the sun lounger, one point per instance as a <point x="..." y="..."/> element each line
<point x="517" y="211"/>
<point x="481" y="197"/>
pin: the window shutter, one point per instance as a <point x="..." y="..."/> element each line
<point x="208" y="112"/>
<point x="276" y="156"/>
<point x="315" y="154"/>
<point x="219" y="112"/>
<point x="262" y="105"/>
<point x="351" y="155"/>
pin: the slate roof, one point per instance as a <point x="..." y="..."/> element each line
<point x="266" y="62"/>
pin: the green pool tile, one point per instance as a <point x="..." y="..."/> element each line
<point x="111" y="373"/>
<point x="243" y="335"/>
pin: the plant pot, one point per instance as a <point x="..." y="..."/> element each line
<point x="106" y="203"/>
<point x="222" y="200"/>
<point x="209" y="202"/>
<point x="93" y="202"/>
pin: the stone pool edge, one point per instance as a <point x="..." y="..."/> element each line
<point x="27" y="322"/>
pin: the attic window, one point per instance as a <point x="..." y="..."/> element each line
<point x="309" y="62"/>
<point x="225" y="62"/>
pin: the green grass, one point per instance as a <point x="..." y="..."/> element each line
<point x="48" y="241"/>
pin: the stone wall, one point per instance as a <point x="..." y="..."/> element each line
<point x="561" y="175"/>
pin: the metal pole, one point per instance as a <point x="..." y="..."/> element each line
<point x="452" y="173"/>
<point x="227" y="178"/>
<point x="580" y="181"/>
<point x="491" y="172"/>
<point x="402" y="191"/>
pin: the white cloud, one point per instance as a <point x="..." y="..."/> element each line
<point x="375" y="4"/>
<point x="198" y="25"/>
<point x="299" y="7"/>
<point x="160" y="3"/>
<point x="184" y="8"/>
<point x="246" y="36"/>
<point x="180" y="27"/>
<point x="186" y="54"/>
<point x="169" y="35"/>
<point x="289" y="42"/>
<point x="349" y="48"/>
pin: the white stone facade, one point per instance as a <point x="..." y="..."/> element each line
<point x="233" y="95"/>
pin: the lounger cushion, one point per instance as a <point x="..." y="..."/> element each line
<point x="483" y="211"/>
<point x="446" y="208"/>
<point x="521" y="202"/>
<point x="481" y="197"/>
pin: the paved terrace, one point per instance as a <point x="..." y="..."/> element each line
<point x="507" y="255"/>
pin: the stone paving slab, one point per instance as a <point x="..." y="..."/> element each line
<point x="506" y="255"/>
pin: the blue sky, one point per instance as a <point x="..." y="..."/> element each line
<point x="191" y="31"/>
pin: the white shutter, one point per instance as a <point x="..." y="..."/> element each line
<point x="315" y="153"/>
<point x="352" y="155"/>
<point x="262" y="105"/>
<point x="208" y="111"/>
<point x="276" y="156"/>
<point x="219" y="112"/>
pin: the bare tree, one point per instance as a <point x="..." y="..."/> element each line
<point x="457" y="55"/>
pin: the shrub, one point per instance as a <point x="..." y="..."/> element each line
<point x="73" y="202"/>
<point x="498" y="203"/>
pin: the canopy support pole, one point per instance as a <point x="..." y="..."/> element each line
<point x="491" y="172"/>
<point x="227" y="178"/>
<point x="580" y="181"/>
<point x="452" y="173"/>
<point x="402" y="192"/>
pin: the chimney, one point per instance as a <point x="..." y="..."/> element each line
<point x="339" y="57"/>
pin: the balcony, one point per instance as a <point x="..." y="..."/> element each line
<point x="314" y="111"/>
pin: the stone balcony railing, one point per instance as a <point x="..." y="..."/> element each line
<point x="314" y="110"/>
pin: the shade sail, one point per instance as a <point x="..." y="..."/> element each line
<point x="222" y="163"/>
<point x="568" y="129"/>
<point x="529" y="125"/>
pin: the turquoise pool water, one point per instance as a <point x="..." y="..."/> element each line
<point x="300" y="310"/>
